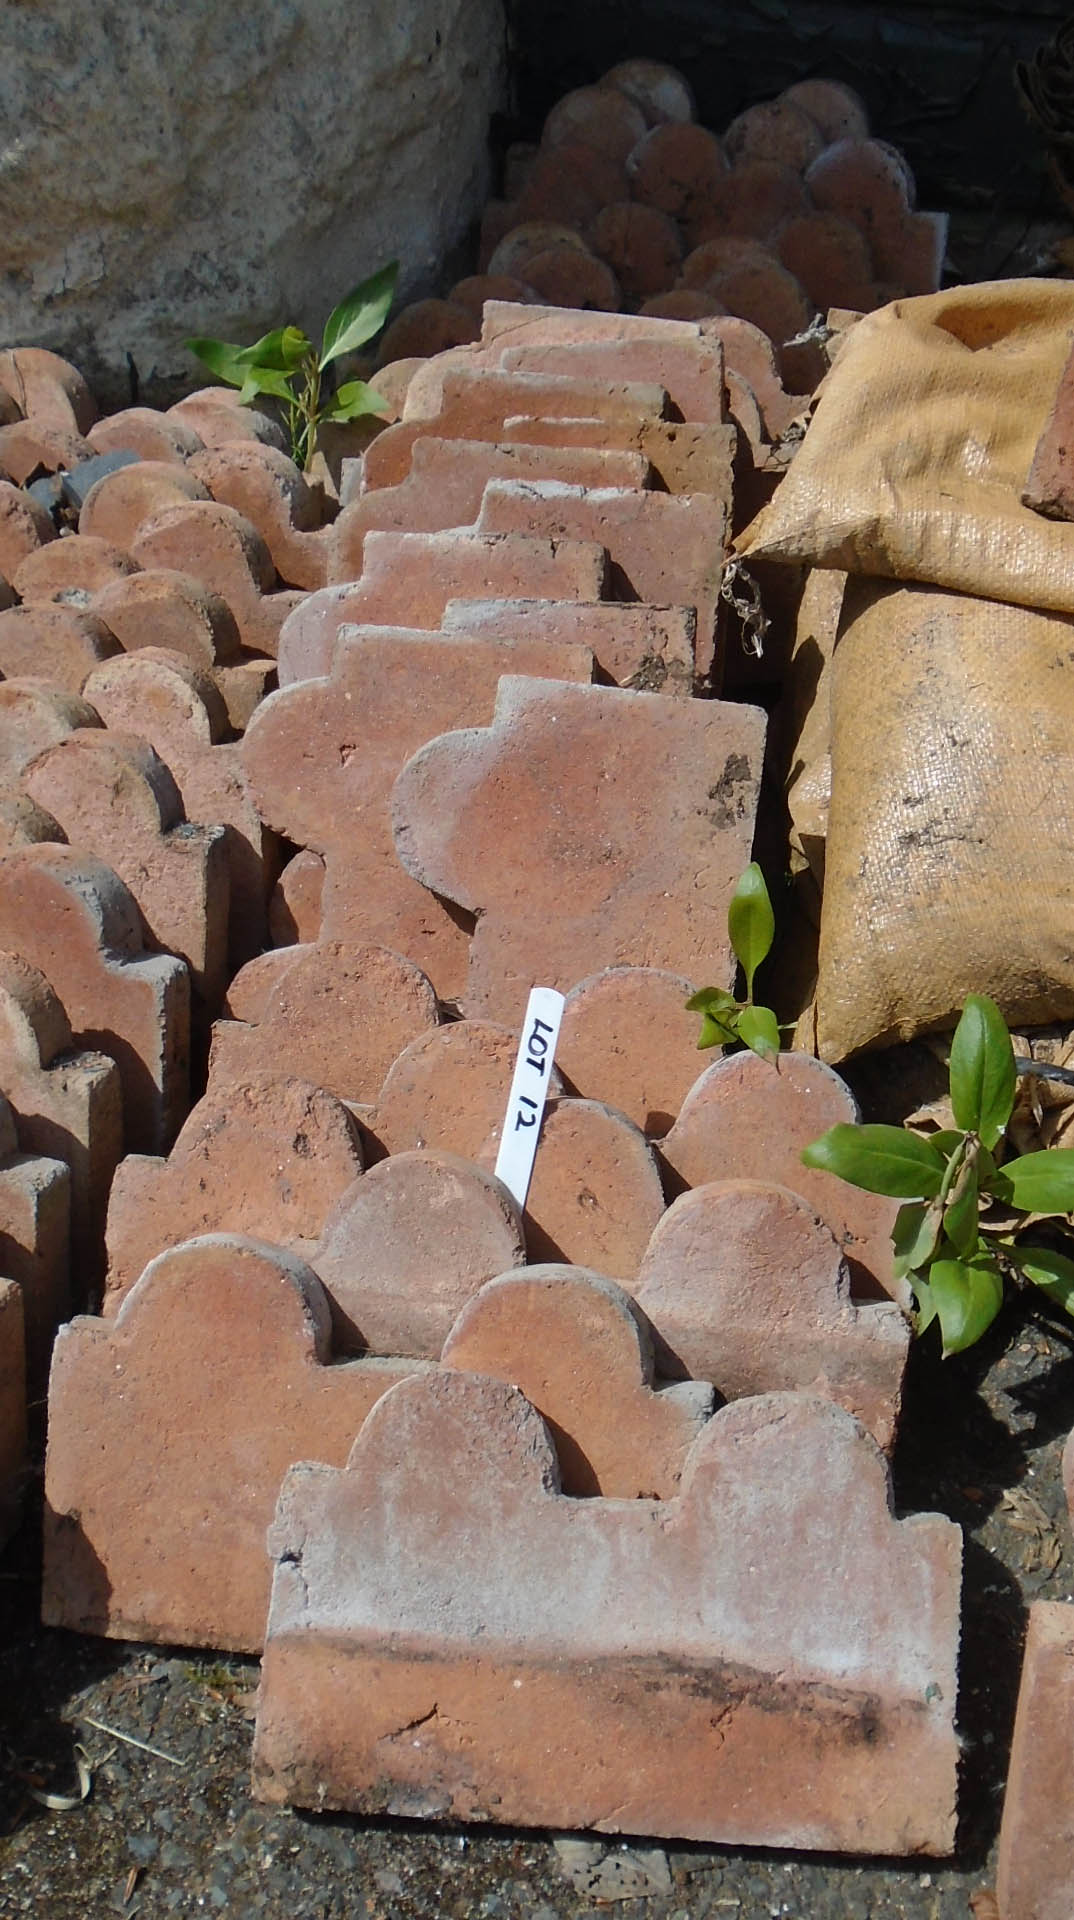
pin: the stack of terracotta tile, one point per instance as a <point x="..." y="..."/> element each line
<point x="627" y="203"/>
<point x="526" y="1534"/>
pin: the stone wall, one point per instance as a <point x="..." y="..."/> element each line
<point x="219" y="169"/>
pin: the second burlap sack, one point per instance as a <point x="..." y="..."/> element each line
<point x="950" y="852"/>
<point x="922" y="439"/>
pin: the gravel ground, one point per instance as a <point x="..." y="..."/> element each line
<point x="174" y="1832"/>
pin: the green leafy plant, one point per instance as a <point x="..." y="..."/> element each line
<point x="727" y="1021"/>
<point x="287" y="367"/>
<point x="957" y="1237"/>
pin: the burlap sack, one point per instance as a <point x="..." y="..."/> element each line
<point x="921" y="443"/>
<point x="809" y="765"/>
<point x="950" y="855"/>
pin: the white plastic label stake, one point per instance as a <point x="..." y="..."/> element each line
<point x="529" y="1091"/>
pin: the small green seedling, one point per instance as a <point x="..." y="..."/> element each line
<point x="956" y="1262"/>
<point x="728" y="1022"/>
<point x="288" y="367"/>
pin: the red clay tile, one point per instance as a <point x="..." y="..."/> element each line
<point x="322" y="756"/>
<point x="408" y="579"/>
<point x="426" y="327"/>
<point x="29" y="449"/>
<point x="1035" y="1870"/>
<point x="627" y="1040"/>
<point x="746" y="1119"/>
<point x="52" y="642"/>
<point x="24" y="526"/>
<point x="399" y="1679"/>
<point x="337" y="1014"/>
<point x="35" y="1232"/>
<point x="268" y="489"/>
<point x="294" y="910"/>
<point x="752" y="200"/>
<point x="780" y="130"/>
<point x="690" y="370"/>
<point x="67" y="1103"/>
<point x="599" y="117"/>
<point x="73" y="570"/>
<point x="47" y="389"/>
<point x="648" y="648"/>
<point x="144" y="431"/>
<point x="839" y="112"/>
<point x="115" y="798"/>
<point x="448" y="1091"/>
<point x="576" y="1346"/>
<point x="118" y="505"/>
<point x="268" y="1152"/>
<point x="734" y="1259"/>
<point x="595" y="1196"/>
<point x="407" y="1246"/>
<point x="218" y="417"/>
<point x="159" y="607"/>
<point x="662" y="92"/>
<point x="212" y="1380"/>
<point x="611" y="806"/>
<point x="675" y="167"/>
<point x="641" y="245"/>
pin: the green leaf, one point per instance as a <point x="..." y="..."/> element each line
<point x="359" y="316"/>
<point x="284" y="350"/>
<point x="947" y="1142"/>
<point x="758" y="1027"/>
<point x="926" y="1305"/>
<point x="265" y="380"/>
<point x="1040" y="1182"/>
<point x="967" y="1295"/>
<point x="1052" y="1272"/>
<point x="881" y="1159"/>
<point x="961" y="1219"/>
<point x="982" y="1070"/>
<point x="914" y="1237"/>
<point x="710" y="1000"/>
<point x="751" y="922"/>
<point x="717" y="1033"/>
<point x="352" y="400"/>
<point x="221" y="358"/>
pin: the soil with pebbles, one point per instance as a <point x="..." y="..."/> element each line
<point x="174" y="1832"/>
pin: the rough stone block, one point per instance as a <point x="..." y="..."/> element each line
<point x="447" y="478"/>
<point x="595" y="1196"/>
<point x="72" y="917"/>
<point x="35" y="1242"/>
<point x="576" y="1346"/>
<point x="448" y="1091"/>
<point x="67" y="1103"/>
<point x="25" y="525"/>
<point x="336" y="1014"/>
<point x="72" y="571"/>
<point x="211" y="1381"/>
<point x="408" y="579"/>
<point x="149" y="434"/>
<point x="267" y="488"/>
<point x="407" y="1245"/>
<point x="650" y="649"/>
<point x="294" y="910"/>
<point x="776" y="1596"/>
<point x="179" y="710"/>
<point x="734" y="1260"/>
<point x="322" y="756"/>
<point x="270" y="1153"/>
<point x="123" y="498"/>
<point x="52" y="642"/>
<point x="745" y="1119"/>
<point x="662" y="548"/>
<point x="588" y="827"/>
<point x="627" y="1040"/>
<point x="159" y="607"/>
<point x="1049" y="488"/>
<point x="114" y="797"/>
<point x="1035" y="1874"/>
